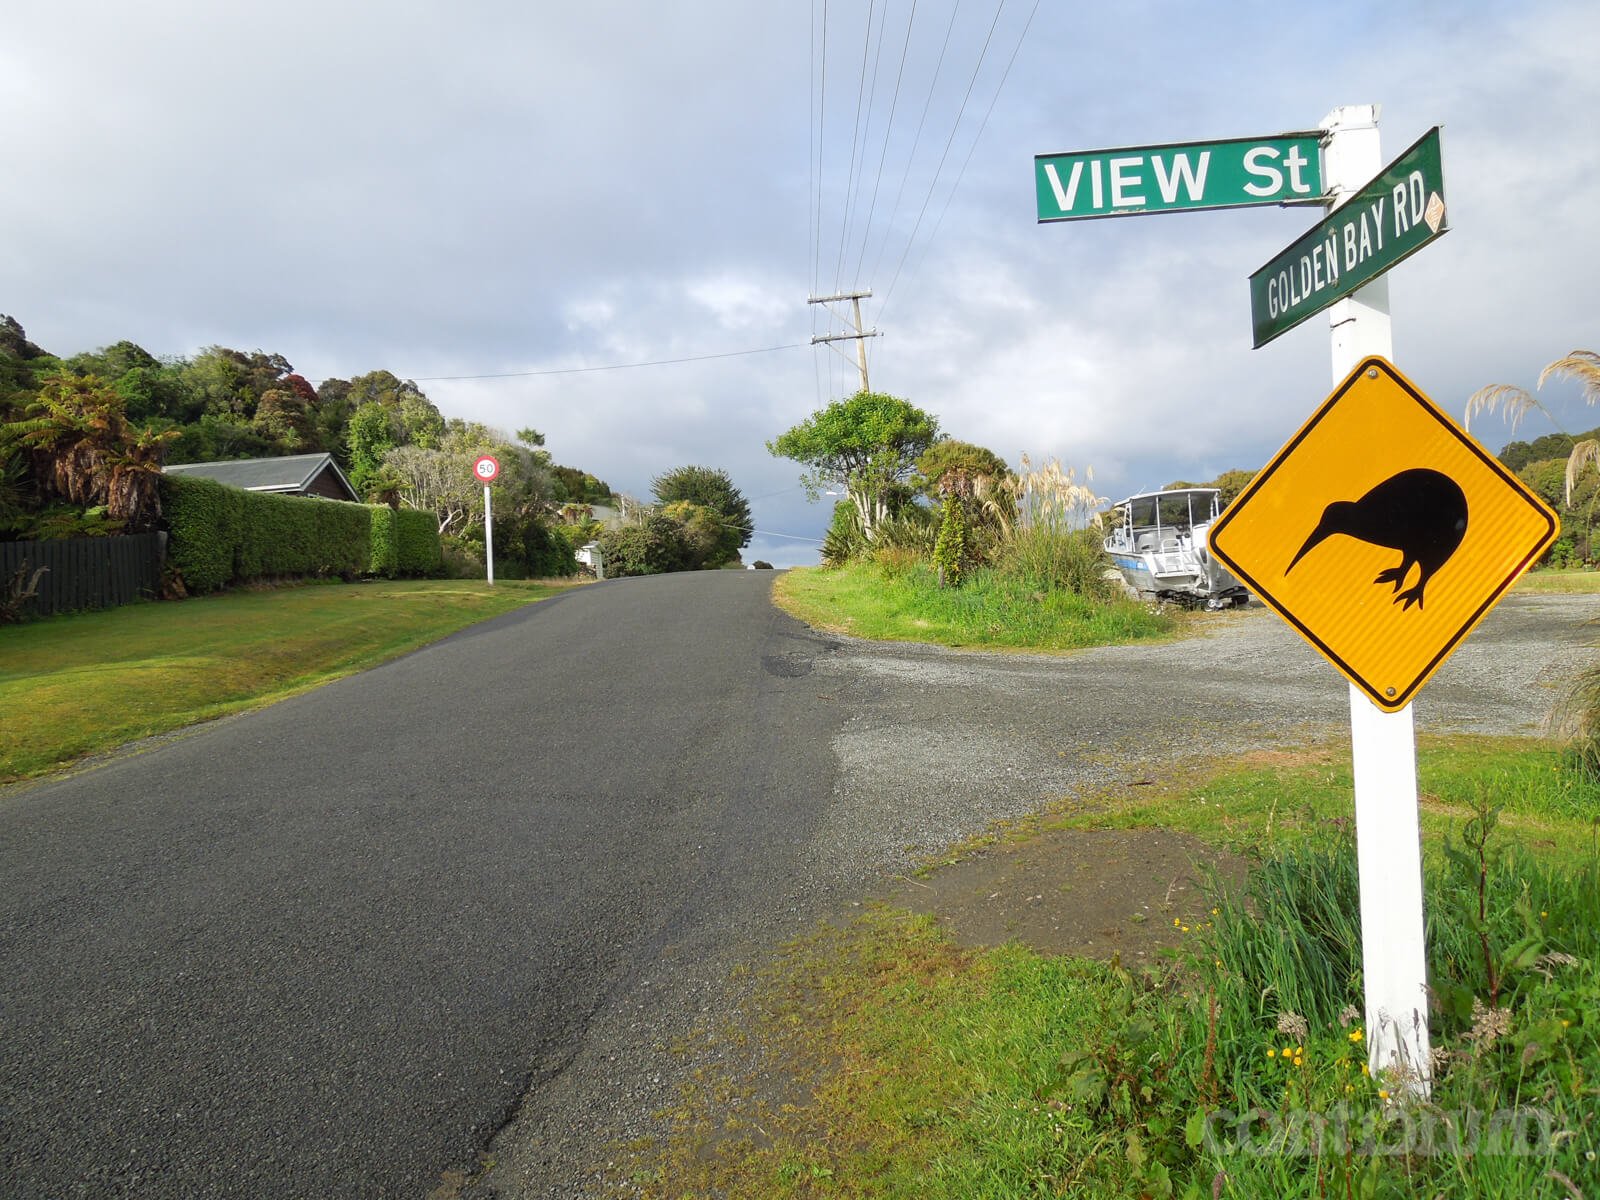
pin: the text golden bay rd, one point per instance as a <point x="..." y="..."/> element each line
<point x="1391" y="218"/>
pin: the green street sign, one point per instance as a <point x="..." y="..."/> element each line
<point x="1285" y="168"/>
<point x="1389" y="220"/>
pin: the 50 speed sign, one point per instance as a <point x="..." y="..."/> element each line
<point x="487" y="468"/>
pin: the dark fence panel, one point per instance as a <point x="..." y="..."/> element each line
<point x="86" y="572"/>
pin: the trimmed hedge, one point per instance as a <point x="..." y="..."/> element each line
<point x="222" y="535"/>
<point x="420" y="552"/>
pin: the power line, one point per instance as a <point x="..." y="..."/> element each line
<point x="960" y="175"/>
<point x="888" y="131"/>
<point x="855" y="138"/>
<point x="659" y="362"/>
<point x="822" y="141"/>
<point x="950" y="141"/>
<point x="916" y="139"/>
<point x="864" y="132"/>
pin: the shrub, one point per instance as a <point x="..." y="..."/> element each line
<point x="761" y="564"/>
<point x="222" y="535"/>
<point x="950" y="550"/>
<point x="548" y="554"/>
<point x="417" y="543"/>
<point x="647" y="549"/>
<point x="385" y="543"/>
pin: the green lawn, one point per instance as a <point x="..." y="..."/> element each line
<point x="989" y="611"/>
<point x="921" y="1069"/>
<point x="87" y="682"/>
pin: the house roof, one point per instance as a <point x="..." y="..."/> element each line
<point x="291" y="473"/>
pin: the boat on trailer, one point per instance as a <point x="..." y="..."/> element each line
<point x="1157" y="542"/>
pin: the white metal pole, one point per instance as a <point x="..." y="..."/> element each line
<point x="488" y="534"/>
<point x="1394" y="963"/>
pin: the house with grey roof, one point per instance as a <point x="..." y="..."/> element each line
<point x="291" y="475"/>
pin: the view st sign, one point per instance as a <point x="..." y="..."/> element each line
<point x="1238" y="173"/>
<point x="1398" y="213"/>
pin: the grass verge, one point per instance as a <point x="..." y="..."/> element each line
<point x="1549" y="582"/>
<point x="989" y="610"/>
<point x="1237" y="1069"/>
<point x="87" y="682"/>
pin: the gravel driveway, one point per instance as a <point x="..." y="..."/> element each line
<point x="929" y="747"/>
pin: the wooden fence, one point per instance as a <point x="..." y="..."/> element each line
<point x="85" y="572"/>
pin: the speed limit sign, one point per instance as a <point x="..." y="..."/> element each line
<point x="486" y="468"/>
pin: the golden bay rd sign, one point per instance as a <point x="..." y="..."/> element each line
<point x="1396" y="214"/>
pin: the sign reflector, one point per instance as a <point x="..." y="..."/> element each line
<point x="1383" y="533"/>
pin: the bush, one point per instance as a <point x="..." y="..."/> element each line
<point x="385" y="559"/>
<point x="548" y="554"/>
<point x="637" y="550"/>
<point x="417" y="543"/>
<point x="223" y="535"/>
<point x="761" y="564"/>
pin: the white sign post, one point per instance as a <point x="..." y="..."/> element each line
<point x="1394" y="963"/>
<point x="487" y="468"/>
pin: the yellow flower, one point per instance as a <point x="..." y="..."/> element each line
<point x="1543" y="914"/>
<point x="1382" y="1095"/>
<point x="1271" y="1053"/>
<point x="1216" y="912"/>
<point x="1185" y="929"/>
<point x="1366" y="1070"/>
<point x="1354" y="1035"/>
<point x="1219" y="962"/>
<point x="1297" y="1060"/>
<point x="1176" y="922"/>
<point x="1288" y="1052"/>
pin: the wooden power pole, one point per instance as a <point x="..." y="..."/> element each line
<point x="859" y="337"/>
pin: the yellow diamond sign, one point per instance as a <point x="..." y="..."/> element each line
<point x="1383" y="533"/>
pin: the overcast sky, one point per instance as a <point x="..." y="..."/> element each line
<point x="516" y="189"/>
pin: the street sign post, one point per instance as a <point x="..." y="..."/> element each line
<point x="1396" y="214"/>
<point x="487" y="470"/>
<point x="1382" y="533"/>
<point x="1238" y="173"/>
<point x="1350" y="493"/>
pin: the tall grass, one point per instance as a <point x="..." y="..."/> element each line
<point x="1054" y="541"/>
<point x="1261" y="1061"/>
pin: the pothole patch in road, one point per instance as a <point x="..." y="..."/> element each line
<point x="1098" y="893"/>
<point x="786" y="666"/>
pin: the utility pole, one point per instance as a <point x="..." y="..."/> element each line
<point x="859" y="336"/>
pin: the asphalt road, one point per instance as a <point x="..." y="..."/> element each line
<point x="323" y="949"/>
<point x="332" y="947"/>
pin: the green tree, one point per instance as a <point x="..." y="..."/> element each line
<point x="707" y="538"/>
<point x="866" y="445"/>
<point x="960" y="467"/>
<point x="711" y="489"/>
<point x="371" y="434"/>
<point x="418" y="422"/>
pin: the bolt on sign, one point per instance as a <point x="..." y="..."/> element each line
<point x="1237" y="173"/>
<point x="1398" y="213"/>
<point x="1382" y="533"/>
